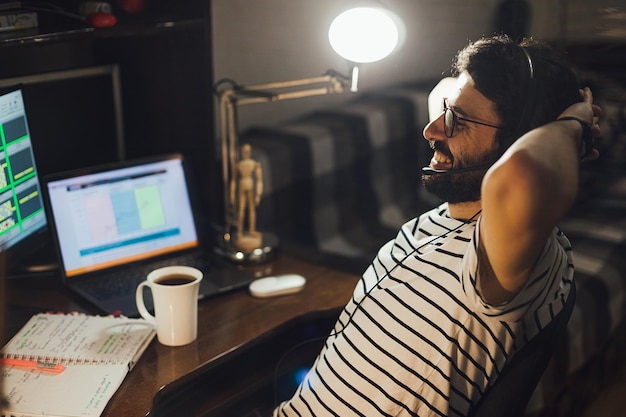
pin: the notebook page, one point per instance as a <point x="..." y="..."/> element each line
<point x="80" y="390"/>
<point x="69" y="339"/>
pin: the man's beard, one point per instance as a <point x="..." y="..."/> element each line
<point x="455" y="187"/>
<point x="460" y="187"/>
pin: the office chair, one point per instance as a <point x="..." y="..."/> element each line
<point x="510" y="394"/>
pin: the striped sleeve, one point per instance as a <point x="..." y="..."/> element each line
<point x="550" y="280"/>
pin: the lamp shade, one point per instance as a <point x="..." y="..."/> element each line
<point x="364" y="34"/>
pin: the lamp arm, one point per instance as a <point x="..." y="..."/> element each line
<point x="330" y="78"/>
<point x="330" y="83"/>
<point x="228" y="139"/>
<point x="289" y="95"/>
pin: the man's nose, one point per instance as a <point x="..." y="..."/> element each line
<point x="434" y="129"/>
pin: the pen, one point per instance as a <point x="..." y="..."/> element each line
<point x="42" y="366"/>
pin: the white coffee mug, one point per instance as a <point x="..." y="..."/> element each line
<point x="175" y="294"/>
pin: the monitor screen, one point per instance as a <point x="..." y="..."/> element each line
<point x="22" y="213"/>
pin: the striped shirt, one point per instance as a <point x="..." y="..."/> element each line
<point x="416" y="339"/>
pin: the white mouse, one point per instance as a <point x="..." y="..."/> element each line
<point x="278" y="285"/>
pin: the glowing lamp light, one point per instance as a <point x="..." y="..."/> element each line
<point x="364" y="34"/>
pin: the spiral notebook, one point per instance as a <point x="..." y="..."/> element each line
<point x="95" y="352"/>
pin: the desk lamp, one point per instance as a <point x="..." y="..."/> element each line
<point x="360" y="35"/>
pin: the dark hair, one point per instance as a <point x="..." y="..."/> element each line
<point x="500" y="70"/>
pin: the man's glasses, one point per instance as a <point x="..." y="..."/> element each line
<point x="450" y="120"/>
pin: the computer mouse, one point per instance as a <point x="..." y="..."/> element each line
<point x="278" y="285"/>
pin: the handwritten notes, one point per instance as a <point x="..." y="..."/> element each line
<point x="97" y="352"/>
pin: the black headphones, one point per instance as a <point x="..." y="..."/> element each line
<point x="531" y="96"/>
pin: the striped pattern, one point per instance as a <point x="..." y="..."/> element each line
<point x="416" y="339"/>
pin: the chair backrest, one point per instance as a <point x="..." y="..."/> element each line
<point x="510" y="394"/>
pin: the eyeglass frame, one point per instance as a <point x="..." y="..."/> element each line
<point x="456" y="118"/>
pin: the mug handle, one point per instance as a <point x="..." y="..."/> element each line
<point x="141" y="306"/>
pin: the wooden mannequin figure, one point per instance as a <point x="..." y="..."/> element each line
<point x="248" y="182"/>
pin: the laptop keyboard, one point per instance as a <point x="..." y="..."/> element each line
<point x="126" y="281"/>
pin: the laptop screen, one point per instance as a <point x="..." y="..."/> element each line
<point x="115" y="216"/>
<point x="21" y="204"/>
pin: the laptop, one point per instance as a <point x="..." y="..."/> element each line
<point x="113" y="224"/>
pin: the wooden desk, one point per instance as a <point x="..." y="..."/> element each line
<point x="224" y="323"/>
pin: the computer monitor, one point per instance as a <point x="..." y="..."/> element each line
<point x="75" y="120"/>
<point x="22" y="216"/>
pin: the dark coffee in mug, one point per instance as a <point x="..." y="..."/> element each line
<point x="174" y="279"/>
